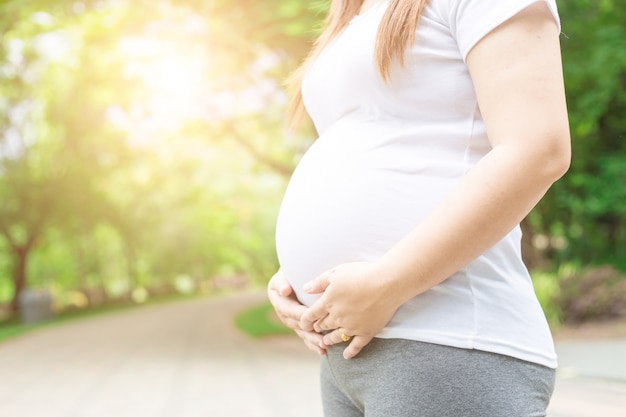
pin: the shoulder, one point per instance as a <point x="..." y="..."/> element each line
<point x="470" y="20"/>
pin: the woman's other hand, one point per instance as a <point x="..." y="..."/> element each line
<point x="354" y="303"/>
<point x="289" y="311"/>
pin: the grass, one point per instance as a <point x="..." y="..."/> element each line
<point x="260" y="321"/>
<point x="12" y="328"/>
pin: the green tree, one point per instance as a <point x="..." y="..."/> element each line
<point x="90" y="129"/>
<point x="588" y="206"/>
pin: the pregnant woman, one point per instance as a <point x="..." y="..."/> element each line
<point x="441" y="124"/>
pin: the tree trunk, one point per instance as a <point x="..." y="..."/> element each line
<point x="20" y="254"/>
<point x="19" y="274"/>
<point x="131" y="268"/>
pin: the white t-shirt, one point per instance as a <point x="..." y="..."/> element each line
<point x="387" y="154"/>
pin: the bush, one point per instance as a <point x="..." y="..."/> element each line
<point x="591" y="294"/>
<point x="546" y="286"/>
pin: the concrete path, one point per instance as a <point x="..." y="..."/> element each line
<point x="185" y="359"/>
<point x="591" y="379"/>
<point x="180" y="359"/>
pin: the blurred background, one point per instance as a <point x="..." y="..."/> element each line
<point x="143" y="154"/>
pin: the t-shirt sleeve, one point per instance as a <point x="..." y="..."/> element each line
<point x="471" y="20"/>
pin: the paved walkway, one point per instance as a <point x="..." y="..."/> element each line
<point x="591" y="379"/>
<point x="185" y="359"/>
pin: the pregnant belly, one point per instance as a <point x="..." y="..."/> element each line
<point x="348" y="206"/>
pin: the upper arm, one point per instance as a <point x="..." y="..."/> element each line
<point x="517" y="75"/>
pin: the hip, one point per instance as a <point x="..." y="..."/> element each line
<point x="397" y="377"/>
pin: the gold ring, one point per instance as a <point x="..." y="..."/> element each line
<point x="344" y="337"/>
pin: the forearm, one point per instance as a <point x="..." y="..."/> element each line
<point x="517" y="77"/>
<point x="522" y="102"/>
<point x="486" y="205"/>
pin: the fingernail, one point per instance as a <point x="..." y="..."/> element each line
<point x="307" y="287"/>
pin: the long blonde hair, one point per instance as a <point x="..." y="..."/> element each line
<point x="395" y="33"/>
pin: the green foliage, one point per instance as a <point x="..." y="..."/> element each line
<point x="139" y="142"/>
<point x="259" y="321"/>
<point x="574" y="294"/>
<point x="142" y="141"/>
<point x="592" y="294"/>
<point x="546" y="288"/>
<point x="588" y="206"/>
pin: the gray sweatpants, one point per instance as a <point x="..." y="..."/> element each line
<point x="404" y="378"/>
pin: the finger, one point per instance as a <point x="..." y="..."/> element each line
<point x="280" y="284"/>
<point x="285" y="290"/>
<point x="334" y="337"/>
<point x="314" y="341"/>
<point x="325" y="324"/>
<point x="289" y="322"/>
<point x="356" y="345"/>
<point x="319" y="284"/>
<point x="311" y="316"/>
<point x="314" y="313"/>
<point x="314" y="348"/>
<point x="289" y="319"/>
<point x="273" y="283"/>
<point x="288" y="310"/>
<point x="286" y="303"/>
<point x="317" y="328"/>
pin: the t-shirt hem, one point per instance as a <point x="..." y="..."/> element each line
<point x="547" y="359"/>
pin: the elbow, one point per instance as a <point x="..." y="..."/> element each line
<point x="565" y="163"/>
<point x="557" y="158"/>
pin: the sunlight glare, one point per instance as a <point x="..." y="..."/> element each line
<point x="174" y="83"/>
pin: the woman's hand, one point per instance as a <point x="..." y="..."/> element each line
<point x="355" y="302"/>
<point x="289" y="311"/>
